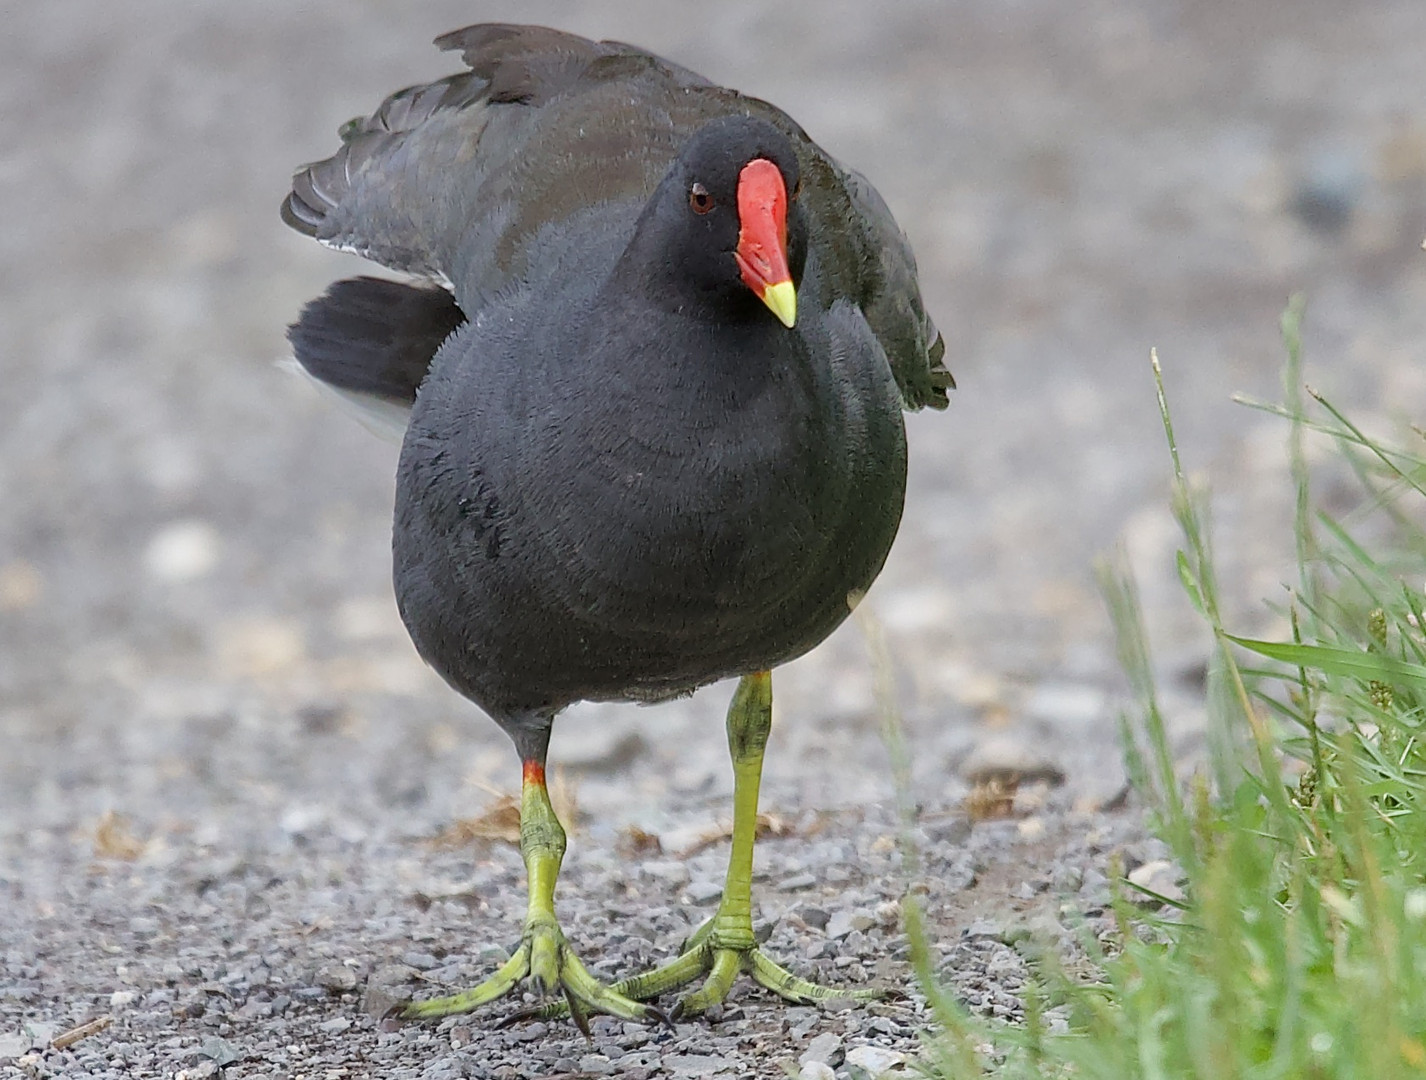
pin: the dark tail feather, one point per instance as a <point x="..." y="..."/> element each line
<point x="374" y="338"/>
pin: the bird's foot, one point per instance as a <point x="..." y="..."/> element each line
<point x="718" y="955"/>
<point x="550" y="965"/>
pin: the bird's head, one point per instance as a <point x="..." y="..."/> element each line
<point x="726" y="226"/>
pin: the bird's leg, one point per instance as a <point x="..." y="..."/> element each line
<point x="725" y="945"/>
<point x="544" y="955"/>
<point x="729" y="943"/>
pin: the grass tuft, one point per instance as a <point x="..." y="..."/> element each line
<point x="1300" y="950"/>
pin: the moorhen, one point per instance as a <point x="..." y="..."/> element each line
<point x="651" y="389"/>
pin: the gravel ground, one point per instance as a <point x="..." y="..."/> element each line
<point x="280" y="959"/>
<point x="223" y="771"/>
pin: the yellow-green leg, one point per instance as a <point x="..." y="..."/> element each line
<point x="544" y="956"/>
<point x="724" y="945"/>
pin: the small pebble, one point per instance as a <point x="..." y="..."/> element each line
<point x="874" y="1061"/>
<point x="1160" y="876"/>
<point x="490" y="953"/>
<point x="669" y="870"/>
<point x="826" y="1047"/>
<point x="1067" y="879"/>
<point x="984" y="928"/>
<point x="948" y="830"/>
<point x="337" y="978"/>
<point x="815" y="917"/>
<point x="182" y="551"/>
<point x="695" y="1064"/>
<point x="703" y="892"/>
<point x="1006" y="756"/>
<point x="840" y="924"/>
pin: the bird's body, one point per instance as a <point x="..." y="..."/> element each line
<point x="622" y="476"/>
<point x="576" y="521"/>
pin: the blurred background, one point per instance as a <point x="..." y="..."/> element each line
<point x="196" y="622"/>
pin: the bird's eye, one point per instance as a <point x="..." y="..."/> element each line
<point x="796" y="189"/>
<point x="699" y="199"/>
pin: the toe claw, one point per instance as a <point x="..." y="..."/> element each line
<point x="577" y="1012"/>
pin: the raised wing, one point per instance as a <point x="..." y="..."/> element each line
<point x="457" y="180"/>
<point x="492" y="150"/>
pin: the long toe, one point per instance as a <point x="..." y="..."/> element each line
<point x="497" y="986"/>
<point x="549" y="966"/>
<point x="719" y="969"/>
<point x="767" y="972"/>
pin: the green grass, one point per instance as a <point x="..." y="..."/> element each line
<point x="1300" y="951"/>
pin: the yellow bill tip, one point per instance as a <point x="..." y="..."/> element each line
<point x="782" y="300"/>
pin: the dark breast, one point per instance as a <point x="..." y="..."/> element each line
<point x="633" y="526"/>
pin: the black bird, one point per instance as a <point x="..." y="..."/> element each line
<point x="652" y="390"/>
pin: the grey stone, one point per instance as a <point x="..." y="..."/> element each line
<point x="874" y="1061"/>
<point x="1010" y="757"/>
<point x="985" y="928"/>
<point x="219" y="1050"/>
<point x="704" y="892"/>
<point x="696" y="1064"/>
<point x="1067" y="879"/>
<point x="888" y="913"/>
<point x="40" y="1032"/>
<point x="387" y="988"/>
<point x="1159" y="876"/>
<point x="337" y="978"/>
<point x="826" y="1047"/>
<point x="948" y="830"/>
<point x="813" y="916"/>
<point x="670" y="870"/>
<point x="844" y="922"/>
